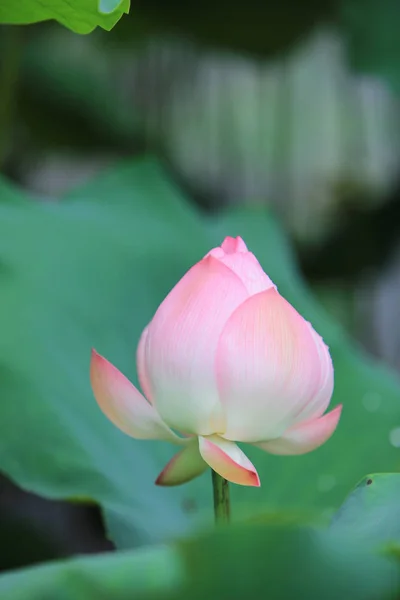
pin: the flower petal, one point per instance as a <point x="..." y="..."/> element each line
<point x="306" y="436"/>
<point x="267" y="367"/>
<point x="124" y="405"/>
<point x="320" y="402"/>
<point x="183" y="467"/>
<point x="232" y="245"/>
<point x="228" y="460"/>
<point x="141" y="365"/>
<point x="181" y="345"/>
<point x="234" y="254"/>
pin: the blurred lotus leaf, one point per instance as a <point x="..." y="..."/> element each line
<point x="90" y="271"/>
<point x="285" y="562"/>
<point x="371" y="512"/>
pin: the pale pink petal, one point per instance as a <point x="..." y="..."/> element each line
<point x="181" y="345"/>
<point x="124" y="405"/>
<point x="234" y="254"/>
<point x="183" y="467"/>
<point x="306" y="436"/>
<point x="228" y="460"/>
<point x="267" y="367"/>
<point x="141" y="365"/>
<point x="320" y="402"/>
<point x="232" y="245"/>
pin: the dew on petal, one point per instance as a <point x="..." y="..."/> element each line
<point x="326" y="483"/>
<point x="394" y="437"/>
<point x="372" y="401"/>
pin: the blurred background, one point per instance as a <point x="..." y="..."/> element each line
<point x="291" y="105"/>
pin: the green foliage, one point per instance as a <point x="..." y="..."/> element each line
<point x="81" y="274"/>
<point x="283" y="563"/>
<point x="371" y="28"/>
<point x="371" y="513"/>
<point x="119" y="576"/>
<point x="279" y="562"/>
<point x="82" y="16"/>
<point x="91" y="271"/>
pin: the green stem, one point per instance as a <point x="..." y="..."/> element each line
<point x="222" y="507"/>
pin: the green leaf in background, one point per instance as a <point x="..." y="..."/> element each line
<point x="285" y="563"/>
<point x="371" y="513"/>
<point x="93" y="269"/>
<point x="90" y="272"/>
<point x="108" y="6"/>
<point x="120" y="576"/>
<point x="371" y="29"/>
<point x="231" y="564"/>
<point x="82" y="16"/>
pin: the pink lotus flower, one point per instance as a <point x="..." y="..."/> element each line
<point x="225" y="359"/>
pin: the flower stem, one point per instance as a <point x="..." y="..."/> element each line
<point x="222" y="507"/>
